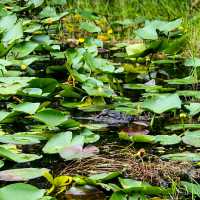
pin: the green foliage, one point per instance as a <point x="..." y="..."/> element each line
<point x="61" y="65"/>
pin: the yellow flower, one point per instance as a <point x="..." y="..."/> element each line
<point x="110" y="31"/>
<point x="183" y="115"/>
<point x="81" y="40"/>
<point x="102" y="37"/>
<point x="23" y="66"/>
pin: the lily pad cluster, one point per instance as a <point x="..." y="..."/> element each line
<point x="54" y="73"/>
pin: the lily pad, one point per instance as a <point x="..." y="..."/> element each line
<point x="192" y="62"/>
<point x="27" y="107"/>
<point x="104" y="176"/>
<point x="18" y="139"/>
<point x="130" y="185"/>
<point x="162" y="103"/>
<point x="194" y="108"/>
<point x="183" y="81"/>
<point x="51" y="117"/>
<point x="17" y="156"/>
<point x="78" y="152"/>
<point x="192" y="138"/>
<point x="58" y="142"/>
<point x="168" y="139"/>
<point x="90" y="27"/>
<point x="21" y="191"/>
<point x="22" y="174"/>
<point x="176" y="127"/>
<point x="184" y="156"/>
<point x="192" y="188"/>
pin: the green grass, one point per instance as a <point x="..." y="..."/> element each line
<point x="149" y="9"/>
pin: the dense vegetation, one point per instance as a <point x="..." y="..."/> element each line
<point x="99" y="100"/>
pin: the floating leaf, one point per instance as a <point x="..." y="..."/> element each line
<point x="77" y="152"/>
<point x="90" y="27"/>
<point x="51" y="117"/>
<point x="23" y="49"/>
<point x="189" y="93"/>
<point x="47" y="85"/>
<point x="7" y="22"/>
<point x="192" y="138"/>
<point x="192" y="62"/>
<point x="20" y="191"/>
<point x="140" y="137"/>
<point x="192" y="188"/>
<point x="185" y="156"/>
<point x="162" y="103"/>
<point x="135" y="49"/>
<point x="147" y="33"/>
<point x="18" y="157"/>
<point x="168" y="139"/>
<point x="175" y="127"/>
<point x="22" y="174"/>
<point x="194" y="108"/>
<point x="104" y="176"/>
<point x="58" y="142"/>
<point x="118" y="196"/>
<point x="130" y="185"/>
<point x="13" y="34"/>
<point x="27" y="107"/>
<point x="89" y="136"/>
<point x="18" y="139"/>
<point x="183" y="81"/>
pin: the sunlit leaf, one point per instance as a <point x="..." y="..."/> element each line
<point x="168" y="139"/>
<point x="162" y="103"/>
<point x="21" y="191"/>
<point x="58" y="142"/>
<point x="22" y="174"/>
<point x="90" y="27"/>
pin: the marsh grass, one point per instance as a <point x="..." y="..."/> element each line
<point x="115" y="10"/>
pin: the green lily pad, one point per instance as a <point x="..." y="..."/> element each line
<point x="192" y="62"/>
<point x="51" y="117"/>
<point x="118" y="196"/>
<point x="17" y="156"/>
<point x="18" y="139"/>
<point x="192" y="138"/>
<point x="130" y="185"/>
<point x="27" y="107"/>
<point x="162" y="103"/>
<point x="75" y="149"/>
<point x="185" y="156"/>
<point x="89" y="136"/>
<point x="90" y="27"/>
<point x="194" y="108"/>
<point x="192" y="188"/>
<point x="22" y="174"/>
<point x="176" y="127"/>
<point x="104" y="176"/>
<point x="135" y="49"/>
<point x="189" y="93"/>
<point x="168" y="139"/>
<point x="23" y="49"/>
<point x="137" y="138"/>
<point x="58" y="142"/>
<point x="13" y="34"/>
<point x="21" y="191"/>
<point x="183" y="81"/>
